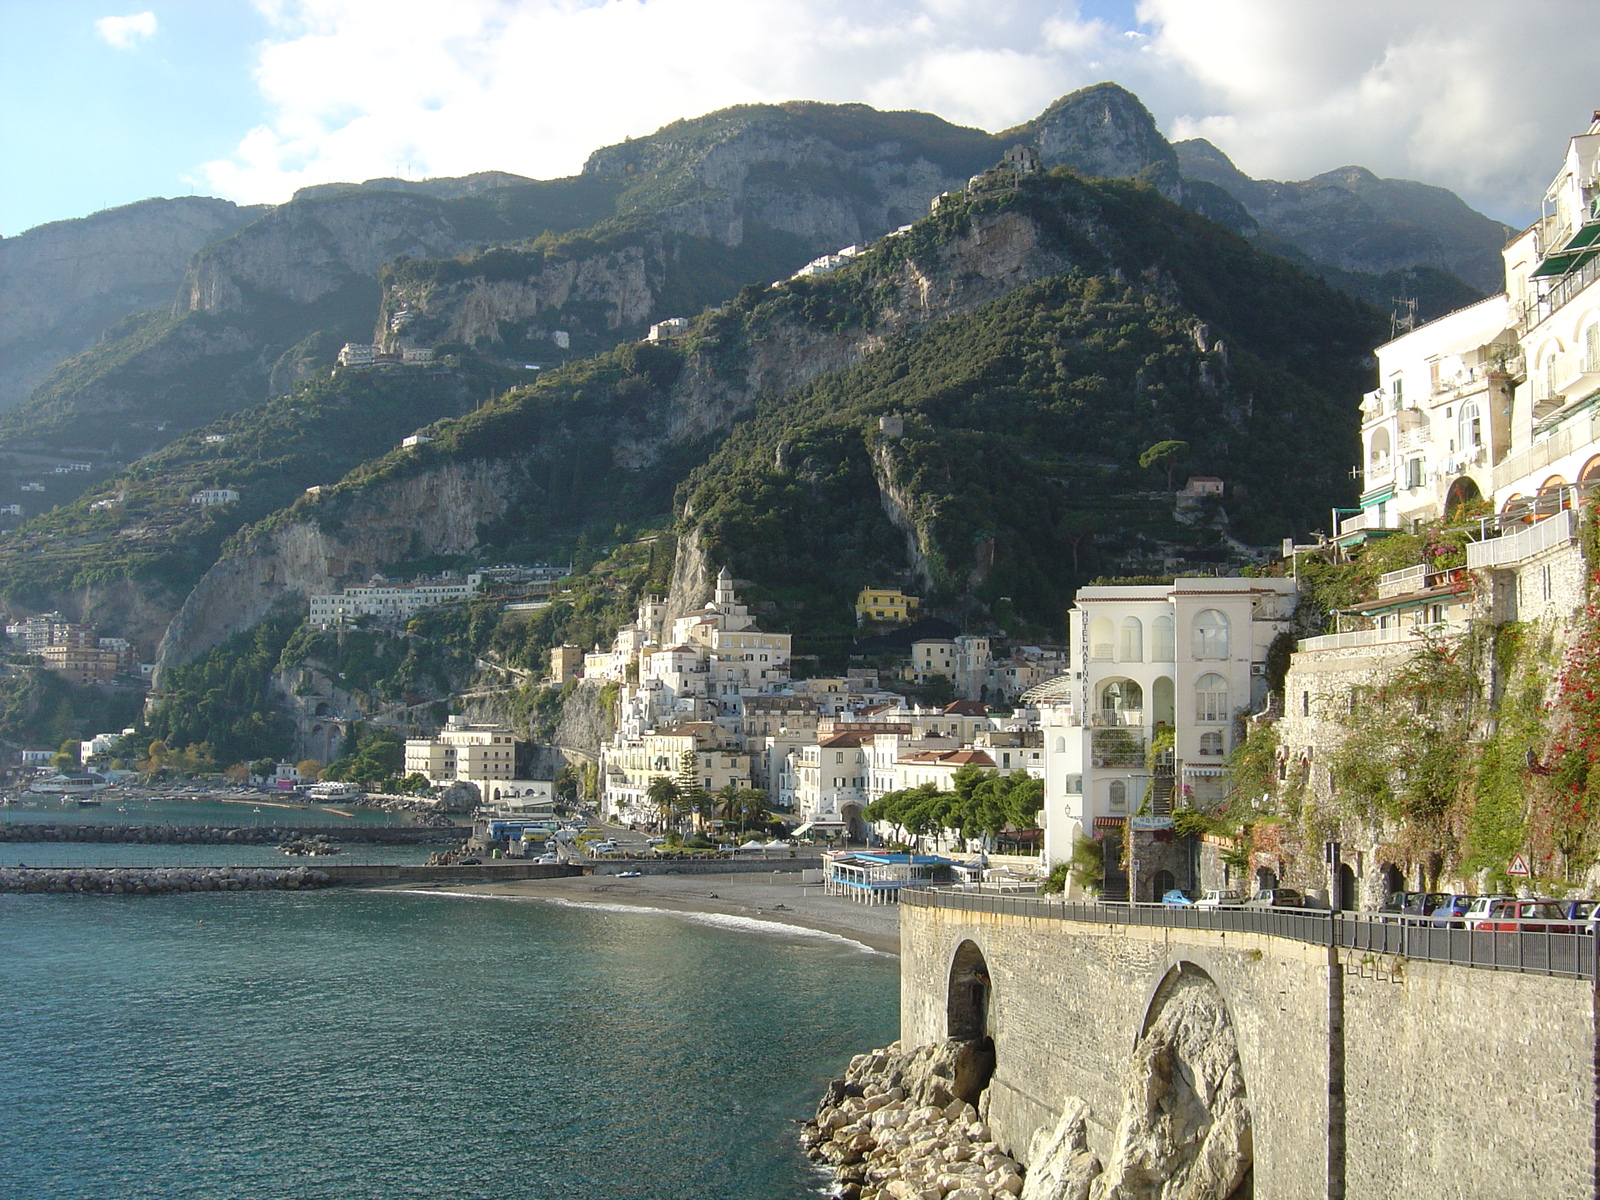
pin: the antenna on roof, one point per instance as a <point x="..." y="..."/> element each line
<point x="1403" y="316"/>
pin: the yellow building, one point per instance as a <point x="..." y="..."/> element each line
<point x="884" y="604"/>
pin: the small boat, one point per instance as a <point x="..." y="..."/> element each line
<point x="88" y="802"/>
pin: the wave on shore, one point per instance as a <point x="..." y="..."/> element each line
<point x="720" y="920"/>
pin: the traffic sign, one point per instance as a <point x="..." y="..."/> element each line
<point x="1519" y="865"/>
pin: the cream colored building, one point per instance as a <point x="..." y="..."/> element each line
<point x="475" y="753"/>
<point x="1190" y="658"/>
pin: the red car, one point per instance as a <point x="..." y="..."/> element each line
<point x="1529" y="916"/>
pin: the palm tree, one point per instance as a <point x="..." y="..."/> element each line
<point x="729" y="804"/>
<point x="752" y="807"/>
<point x="663" y="797"/>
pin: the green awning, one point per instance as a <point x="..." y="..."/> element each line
<point x="1564" y="261"/>
<point x="1378" y="496"/>
<point x="1587" y="235"/>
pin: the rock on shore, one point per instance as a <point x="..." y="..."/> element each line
<point x="902" y="1124"/>
<point x="153" y="881"/>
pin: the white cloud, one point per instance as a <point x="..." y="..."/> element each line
<point x="359" y="88"/>
<point x="125" y="33"/>
<point x="1473" y="95"/>
<point x="1468" y="94"/>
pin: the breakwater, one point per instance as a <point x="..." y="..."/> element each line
<point x="225" y="835"/>
<point x="155" y="881"/>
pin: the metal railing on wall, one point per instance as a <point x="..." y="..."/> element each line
<point x="1532" y="950"/>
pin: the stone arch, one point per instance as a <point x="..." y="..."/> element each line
<point x="1266" y="879"/>
<point x="323" y="709"/>
<point x="1184" y="1074"/>
<point x="969" y="995"/>
<point x="1344" y="888"/>
<point x="1394" y="879"/>
<point x="855" y="828"/>
<point x="1463" y="491"/>
<point x="1161" y="883"/>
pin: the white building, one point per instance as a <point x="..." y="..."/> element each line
<point x="669" y="330"/>
<point x="479" y="754"/>
<point x="206" y="497"/>
<point x="1498" y="401"/>
<point x="1188" y="659"/>
<point x="389" y="602"/>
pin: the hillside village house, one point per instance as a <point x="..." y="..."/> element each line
<point x="885" y="604"/>
<point x="206" y="497"/>
<point x="1189" y="658"/>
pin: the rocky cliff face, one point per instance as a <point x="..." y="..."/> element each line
<point x="303" y="251"/>
<point x="1100" y="130"/>
<point x="324" y="550"/>
<point x="440" y="510"/>
<point x="64" y="284"/>
<point x="1352" y="219"/>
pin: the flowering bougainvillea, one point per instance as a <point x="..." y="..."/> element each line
<point x="1564" y="780"/>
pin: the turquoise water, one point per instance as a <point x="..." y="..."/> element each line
<point x="362" y="1045"/>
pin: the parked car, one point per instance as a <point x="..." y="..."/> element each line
<point x="1277" y="898"/>
<point x="1583" y="910"/>
<point x="1529" y="916"/>
<point x="1480" y="908"/>
<point x="1219" y="899"/>
<point x="656" y="841"/>
<point x="1177" y="898"/>
<point x="1422" y="904"/>
<point x="1396" y="902"/>
<point x="1451" y="911"/>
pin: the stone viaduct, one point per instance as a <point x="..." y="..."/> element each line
<point x="1341" y="1063"/>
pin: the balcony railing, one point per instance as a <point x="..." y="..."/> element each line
<point x="1373" y="637"/>
<point x="1511" y="548"/>
<point x="1534" y="950"/>
<point x="1541" y="454"/>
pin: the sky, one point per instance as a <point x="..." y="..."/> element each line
<point x="103" y="103"/>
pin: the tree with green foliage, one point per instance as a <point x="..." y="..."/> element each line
<point x="662" y="794"/>
<point x="370" y="757"/>
<point x="1164" y="454"/>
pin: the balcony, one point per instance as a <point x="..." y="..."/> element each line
<point x="1394" y="634"/>
<point x="1512" y="548"/>
<point x="1107" y="718"/>
<point x="1401" y="583"/>
<point x="1574" y="436"/>
<point x="1373" y="406"/>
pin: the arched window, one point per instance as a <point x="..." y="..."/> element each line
<point x="1119" y="794"/>
<point x="1132" y="647"/>
<point x="1211" y="698"/>
<point x="1380" y="452"/>
<point x="1101" y="635"/>
<point x="1210" y="634"/>
<point x="1471" y="427"/>
<point x="1163" y="701"/>
<point x="1122" y="695"/>
<point x="1061" y="745"/>
<point x="1162" y="645"/>
<point x="1211" y="745"/>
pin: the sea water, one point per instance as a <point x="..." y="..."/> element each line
<point x="362" y="1045"/>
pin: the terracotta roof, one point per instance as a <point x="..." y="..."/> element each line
<point x="966" y="708"/>
<point x="842" y="740"/>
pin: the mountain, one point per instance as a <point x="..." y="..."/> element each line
<point x="1034" y="332"/>
<point x="64" y="284"/>
<point x="1355" y="221"/>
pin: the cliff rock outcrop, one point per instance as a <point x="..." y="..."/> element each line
<point x="64" y="284"/>
<point x="323" y="550"/>
<point x="1354" y="220"/>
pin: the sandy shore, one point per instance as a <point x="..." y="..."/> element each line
<point x="775" y="898"/>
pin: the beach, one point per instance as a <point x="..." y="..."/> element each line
<point x="777" y="898"/>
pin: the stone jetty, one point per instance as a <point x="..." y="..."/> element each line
<point x="154" y="881"/>
<point x="218" y="835"/>
<point x="902" y="1125"/>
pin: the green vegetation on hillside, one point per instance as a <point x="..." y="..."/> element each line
<point x="149" y="532"/>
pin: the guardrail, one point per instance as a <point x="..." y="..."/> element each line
<point x="1533" y="950"/>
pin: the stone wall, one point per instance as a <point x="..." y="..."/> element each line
<point x="1364" y="1078"/>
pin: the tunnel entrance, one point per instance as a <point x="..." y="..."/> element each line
<point x="969" y="1022"/>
